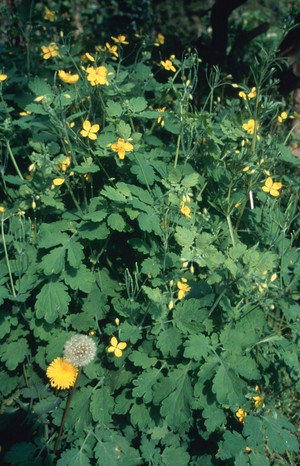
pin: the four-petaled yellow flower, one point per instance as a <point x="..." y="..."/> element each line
<point x="89" y="130"/>
<point x="248" y="96"/>
<point x="185" y="210"/>
<point x="97" y="75"/>
<point x="67" y="77"/>
<point x="116" y="347"/>
<point x="3" y="77"/>
<point x="160" y="119"/>
<point x="120" y="40"/>
<point x="183" y="288"/>
<point x="168" y="65"/>
<point x="272" y="187"/>
<point x="113" y="49"/>
<point x="49" y="15"/>
<point x="121" y="147"/>
<point x="281" y="117"/>
<point x="241" y="414"/>
<point x="49" y="51"/>
<point x="160" y="39"/>
<point x="57" y="182"/>
<point x="251" y="126"/>
<point x="62" y="374"/>
<point x="64" y="164"/>
<point x="258" y="401"/>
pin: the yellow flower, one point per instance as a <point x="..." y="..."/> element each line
<point x="160" y="39"/>
<point x="89" y="130"/>
<point x="67" y="77"/>
<point x="62" y="374"/>
<point x="241" y="414"/>
<point x="64" y="164"/>
<point x="113" y="49"/>
<point x="281" y="117"/>
<point x="49" y="51"/>
<point x="120" y="40"/>
<point x="160" y="120"/>
<point x="97" y="75"/>
<point x="3" y="77"/>
<point x="258" y="401"/>
<point x="24" y="113"/>
<point x="88" y="56"/>
<point x="116" y="347"/>
<point x="272" y="187"/>
<point x="49" y="15"/>
<point x="185" y="210"/>
<point x="121" y="147"/>
<point x="2" y="209"/>
<point x="183" y="288"/>
<point x="168" y="65"/>
<point x="57" y="182"/>
<point x="243" y="95"/>
<point x="250" y="126"/>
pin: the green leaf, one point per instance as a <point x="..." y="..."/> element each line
<point x="189" y="316"/>
<point x="140" y="417"/>
<point x="137" y="104"/>
<point x="176" y="408"/>
<point x="116" y="222"/>
<point x="197" y="347"/>
<point x="39" y="86"/>
<point x="52" y="301"/>
<point x="79" y="279"/>
<point x="14" y="353"/>
<point x="123" y="130"/>
<point x="21" y="454"/>
<point x="75" y="254"/>
<point x="114" y="109"/>
<point x="151" y="266"/>
<point x="143" y="384"/>
<point x="74" y="457"/>
<point x="53" y="262"/>
<point x="141" y="359"/>
<point x="184" y="236"/>
<point x="232" y="445"/>
<point x="215" y="418"/>
<point x="175" y="456"/>
<point x="102" y="404"/>
<point x="168" y="341"/>
<point x="228" y="387"/>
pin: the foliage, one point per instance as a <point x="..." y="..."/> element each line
<point x="134" y="211"/>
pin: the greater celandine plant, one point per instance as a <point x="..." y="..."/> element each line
<point x="158" y="225"/>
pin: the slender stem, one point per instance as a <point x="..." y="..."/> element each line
<point x="177" y="150"/>
<point x="13" y="160"/>
<point x="70" y="397"/>
<point x="7" y="258"/>
<point x="230" y="229"/>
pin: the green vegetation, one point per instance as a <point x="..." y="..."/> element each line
<point x="161" y="222"/>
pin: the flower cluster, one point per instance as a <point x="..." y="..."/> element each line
<point x="251" y="126"/>
<point x="248" y="96"/>
<point x="241" y="414"/>
<point x="67" y="77"/>
<point x="183" y="288"/>
<point x="185" y="209"/>
<point x="168" y="64"/>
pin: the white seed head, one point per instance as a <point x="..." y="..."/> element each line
<point x="80" y="350"/>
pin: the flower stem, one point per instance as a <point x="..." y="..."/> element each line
<point x="7" y="258"/>
<point x="70" y="397"/>
<point x="13" y="160"/>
